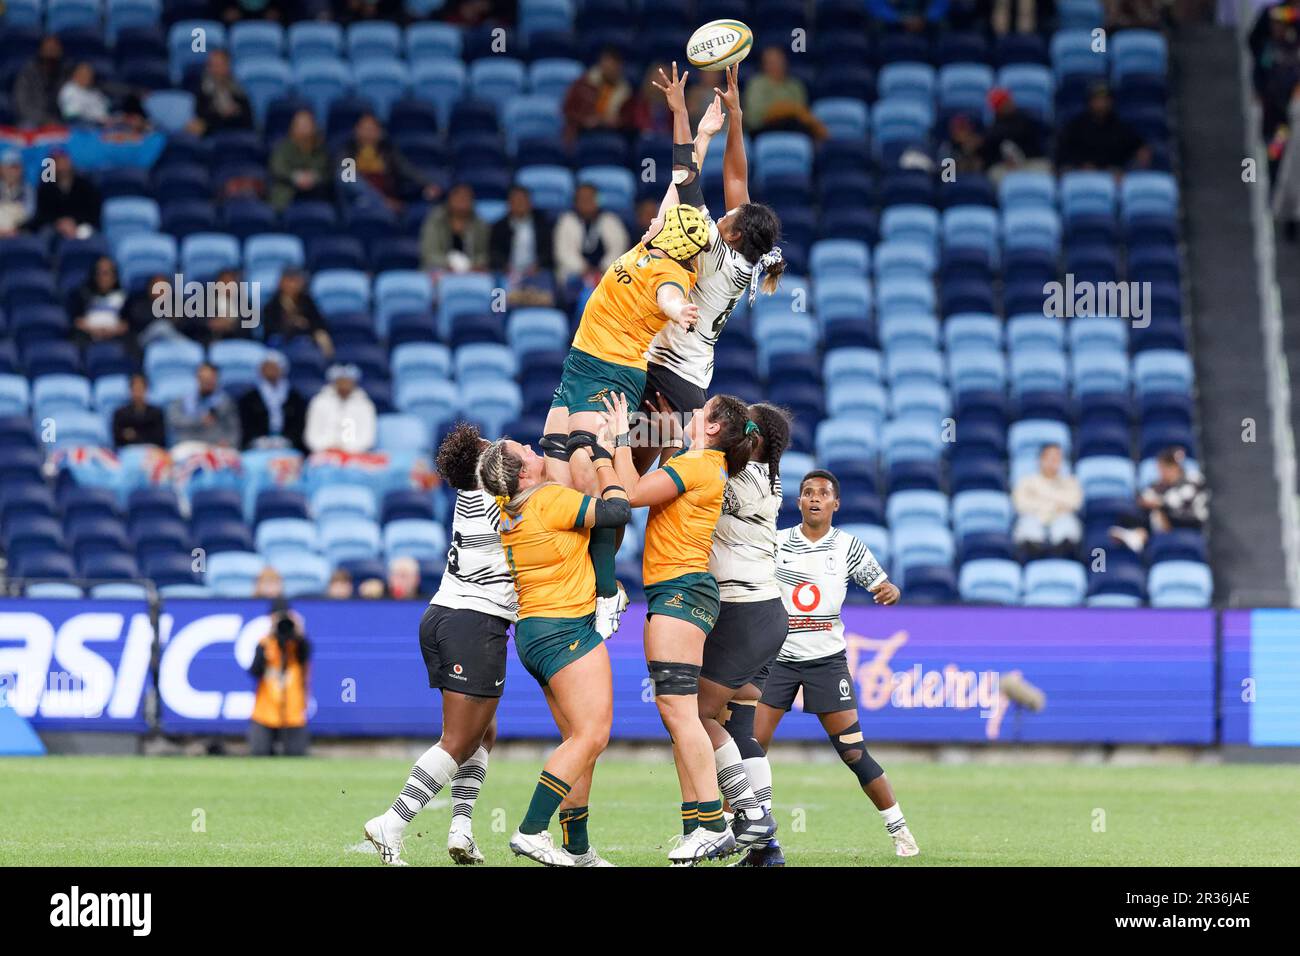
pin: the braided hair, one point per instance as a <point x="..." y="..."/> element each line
<point x="738" y="436"/>
<point x="458" y="456"/>
<point x="498" y="475"/>
<point x="774" y="429"/>
<point x="759" y="231"/>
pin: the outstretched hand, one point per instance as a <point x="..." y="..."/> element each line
<point x="711" y="121"/>
<point x="674" y="89"/>
<point x="614" y="417"/>
<point x="731" y="95"/>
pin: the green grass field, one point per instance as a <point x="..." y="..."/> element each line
<point x="128" y="811"/>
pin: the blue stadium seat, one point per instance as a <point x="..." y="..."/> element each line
<point x="348" y="537"/>
<point x="989" y="581"/>
<point x="344" y="501"/>
<point x="415" y="537"/>
<point x="303" y="573"/>
<point x="920" y="545"/>
<point x="1180" y="584"/>
<point x="1054" y="582"/>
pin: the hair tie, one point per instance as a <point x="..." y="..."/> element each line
<point x="765" y="262"/>
<point x="751" y="426"/>
<point x="502" y="501"/>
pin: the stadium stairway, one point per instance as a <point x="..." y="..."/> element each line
<point x="1245" y="533"/>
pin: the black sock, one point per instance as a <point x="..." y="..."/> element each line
<point x="603" y="547"/>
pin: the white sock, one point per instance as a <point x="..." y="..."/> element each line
<point x="893" y="818"/>
<point x="759" y="772"/>
<point x="733" y="783"/>
<point x="429" y="775"/>
<point x="465" y="787"/>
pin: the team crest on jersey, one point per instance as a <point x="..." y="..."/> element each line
<point x="844" y="689"/>
<point x="830" y="563"/>
<point x="599" y="396"/>
<point x="674" y="602"/>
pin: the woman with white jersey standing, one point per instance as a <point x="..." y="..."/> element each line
<point x="742" y="256"/>
<point x="463" y="641"/>
<point x="751" y="627"/>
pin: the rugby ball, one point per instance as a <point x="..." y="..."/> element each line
<point x="718" y="44"/>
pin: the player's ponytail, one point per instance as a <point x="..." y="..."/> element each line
<point x="737" y="436"/>
<point x="774" y="429"/>
<point x="759" y="231"/>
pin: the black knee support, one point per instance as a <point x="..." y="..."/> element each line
<point x="553" y="446"/>
<point x="740" y="724"/>
<point x="580" y="439"/>
<point x="672" y="678"/>
<point x="852" y="749"/>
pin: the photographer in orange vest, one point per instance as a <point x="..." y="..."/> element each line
<point x="280" y="706"/>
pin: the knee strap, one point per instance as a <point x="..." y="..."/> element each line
<point x="553" y="446"/>
<point x="852" y="748"/>
<point x="580" y="439"/>
<point x="740" y="724"/>
<point x="674" y="679"/>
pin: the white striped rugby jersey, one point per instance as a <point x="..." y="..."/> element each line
<point x="723" y="276"/>
<point x="744" y="542"/>
<point x="814" y="578"/>
<point x="477" y="578"/>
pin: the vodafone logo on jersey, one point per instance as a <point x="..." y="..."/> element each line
<point x="806" y="596"/>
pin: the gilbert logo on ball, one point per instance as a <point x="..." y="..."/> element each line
<point x="718" y="44"/>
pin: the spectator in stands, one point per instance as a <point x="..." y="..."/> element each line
<point x="293" y="313"/>
<point x="1131" y="14"/>
<point x="96" y="307"/>
<point x="221" y="103"/>
<point x="380" y="173"/>
<point x="300" y="164"/>
<point x="280" y="667"/>
<point x="371" y="589"/>
<point x="646" y="210"/>
<point x="80" y="101"/>
<point x="587" y="240"/>
<point x="340" y="586"/>
<point x="225" y="315"/>
<point x="204" y="417"/>
<point x="519" y="245"/>
<point x="1010" y="16"/>
<point x="138" y="422"/>
<point x="600" y="99"/>
<point x="648" y="110"/>
<point x="775" y="100"/>
<point x="17" y="198"/>
<point x="403" y="578"/>
<point x="70" y="204"/>
<point x="148" y="311"/>
<point x="272" y="414"/>
<point x="341" y="416"/>
<point x="1176" y="500"/>
<point x="1098" y="139"/>
<point x="36" y="88"/>
<point x="1014" y="140"/>
<point x="1275" y="42"/>
<point x="1048" y="504"/>
<point x="453" y="238"/>
<point x="1286" y="177"/>
<point x="964" y="145"/>
<point x="269" y="584"/>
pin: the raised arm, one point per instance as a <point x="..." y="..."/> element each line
<point x="735" y="164"/>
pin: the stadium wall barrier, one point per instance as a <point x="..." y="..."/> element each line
<point x="923" y="674"/>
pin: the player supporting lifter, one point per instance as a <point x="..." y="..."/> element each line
<point x="752" y="625"/>
<point x="815" y="563"/>
<point x="544" y="530"/>
<point x="685" y="500"/>
<point x="463" y="640"/>
<point x="743" y="255"/>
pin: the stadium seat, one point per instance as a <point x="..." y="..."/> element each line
<point x="1180" y="584"/>
<point x="989" y="581"/>
<point x="1054" y="582"/>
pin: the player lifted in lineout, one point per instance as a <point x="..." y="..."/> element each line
<point x="815" y="563"/>
<point x="463" y="641"/>
<point x="743" y="254"/>
<point x="642" y="289"/>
